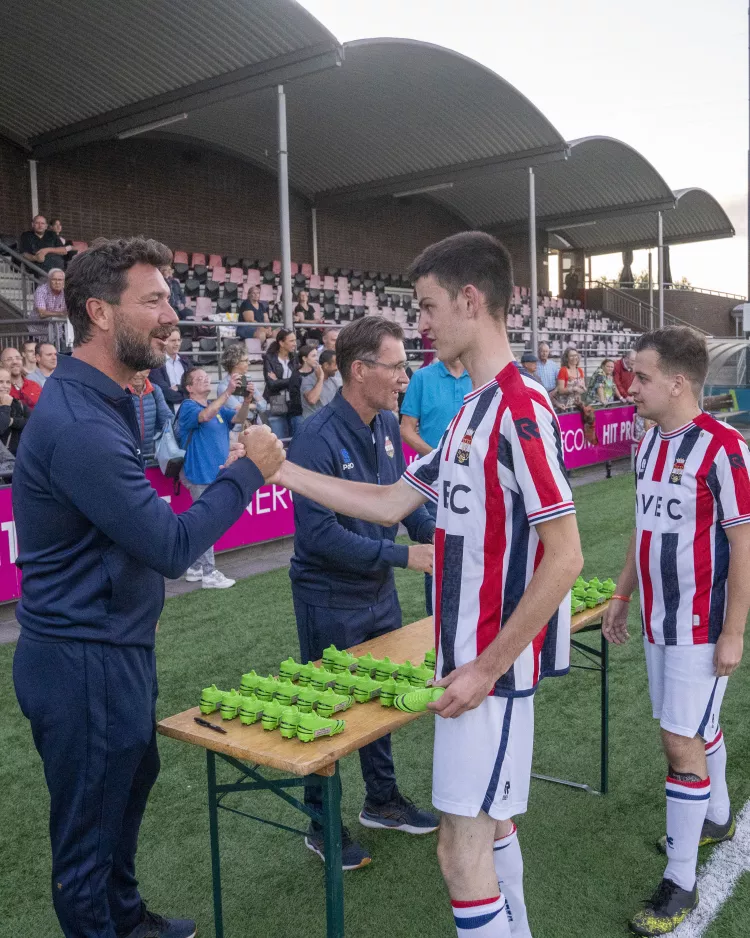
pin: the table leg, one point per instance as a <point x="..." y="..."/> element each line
<point x="213" y="826"/>
<point x="331" y="786"/>
<point x="605" y="717"/>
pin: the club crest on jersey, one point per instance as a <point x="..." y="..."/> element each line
<point x="675" y="476"/>
<point x="464" y="447"/>
<point x="389" y="450"/>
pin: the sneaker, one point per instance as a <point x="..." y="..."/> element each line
<point x="216" y="581"/>
<point x="398" y="814"/>
<point x="194" y="574"/>
<point x="664" y="911"/>
<point x="152" y="925"/>
<point x="712" y="833"/>
<point x="353" y="856"/>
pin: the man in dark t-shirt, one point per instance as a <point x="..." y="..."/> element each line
<point x="42" y="246"/>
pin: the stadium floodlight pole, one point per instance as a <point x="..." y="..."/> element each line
<point x="532" y="259"/>
<point x="314" y="213"/>
<point x="660" y="233"/>
<point x="286" y="241"/>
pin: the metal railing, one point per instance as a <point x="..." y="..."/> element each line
<point x="633" y="311"/>
<point x="31" y="277"/>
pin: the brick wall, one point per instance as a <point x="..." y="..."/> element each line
<point x="15" y="195"/>
<point x="711" y="313"/>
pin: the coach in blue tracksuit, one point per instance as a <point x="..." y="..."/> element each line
<point x="96" y="542"/>
<point x="342" y="569"/>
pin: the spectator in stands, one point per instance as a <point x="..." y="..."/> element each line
<point x="203" y="432"/>
<point x="28" y="354"/>
<point x="169" y="376"/>
<point x="56" y="228"/>
<point x="329" y="340"/>
<point x="320" y="387"/>
<point x="177" y="299"/>
<point x="23" y="390"/>
<point x="571" y="382"/>
<point x="304" y="312"/>
<point x="13" y="414"/>
<point x="572" y="283"/>
<point x="46" y="362"/>
<point x="151" y="410"/>
<point x="529" y="361"/>
<point x="252" y="310"/>
<point x="546" y="369"/>
<point x="433" y="398"/>
<point x="623" y="375"/>
<point x="49" y="302"/>
<point x="602" y="388"/>
<point x="236" y="363"/>
<point x="42" y="246"/>
<point x="278" y="365"/>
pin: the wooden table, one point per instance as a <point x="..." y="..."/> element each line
<point x="248" y="748"/>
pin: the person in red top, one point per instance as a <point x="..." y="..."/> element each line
<point x="623" y="374"/>
<point x="23" y="390"/>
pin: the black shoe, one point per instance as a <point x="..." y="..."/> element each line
<point x="353" y="855"/>
<point x="398" y="814"/>
<point x="664" y="911"/>
<point x="711" y="833"/>
<point x="152" y="925"/>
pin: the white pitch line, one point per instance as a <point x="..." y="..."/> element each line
<point x="717" y="879"/>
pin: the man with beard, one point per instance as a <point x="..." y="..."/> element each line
<point x="96" y="543"/>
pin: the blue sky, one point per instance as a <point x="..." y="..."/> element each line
<point x="669" y="77"/>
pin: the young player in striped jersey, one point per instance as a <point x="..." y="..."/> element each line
<point x="506" y="554"/>
<point x="690" y="555"/>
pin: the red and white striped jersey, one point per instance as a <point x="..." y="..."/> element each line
<point x="691" y="484"/>
<point x="497" y="472"/>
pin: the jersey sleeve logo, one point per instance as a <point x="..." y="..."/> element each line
<point x="736" y="461"/>
<point x="527" y="429"/>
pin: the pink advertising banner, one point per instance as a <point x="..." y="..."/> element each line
<point x="270" y="514"/>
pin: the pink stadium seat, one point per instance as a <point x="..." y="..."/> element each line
<point x="357" y="298"/>
<point x="342" y="284"/>
<point x="253" y="277"/>
<point x="203" y="307"/>
<point x="236" y="275"/>
<point x="343" y="298"/>
<point x="276" y="267"/>
<point x="254" y="346"/>
<point x="306" y="270"/>
<point x="316" y="307"/>
<point x="329" y="283"/>
<point x="266" y="293"/>
<point x="294" y="268"/>
<point x="214" y="260"/>
<point x="218" y="272"/>
<point x="180" y="257"/>
<point x="199" y="259"/>
<point x="315" y="282"/>
<point x="371" y="300"/>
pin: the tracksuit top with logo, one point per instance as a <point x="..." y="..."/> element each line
<point x="497" y="472"/>
<point x="691" y="485"/>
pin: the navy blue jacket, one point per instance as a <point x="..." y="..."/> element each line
<point x="339" y="561"/>
<point x="95" y="540"/>
<point x="160" y="378"/>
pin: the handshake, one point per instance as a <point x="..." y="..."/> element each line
<point x="261" y="446"/>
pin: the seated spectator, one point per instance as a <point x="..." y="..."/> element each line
<point x="13" y="414"/>
<point x="23" y="390"/>
<point x="252" y="310"/>
<point x="42" y="246"/>
<point x="169" y="376"/>
<point x="546" y="369"/>
<point x="203" y="432"/>
<point x="623" y="375"/>
<point x="602" y="389"/>
<point x="151" y="411"/>
<point x="177" y="299"/>
<point x="529" y="362"/>
<point x="278" y="366"/>
<point x="28" y="354"/>
<point x="303" y="312"/>
<point x="55" y="227"/>
<point x="571" y="382"/>
<point x="49" y="302"/>
<point x="46" y="362"/>
<point x="320" y="387"/>
<point x="236" y="362"/>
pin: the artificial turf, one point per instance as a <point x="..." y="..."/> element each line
<point x="589" y="859"/>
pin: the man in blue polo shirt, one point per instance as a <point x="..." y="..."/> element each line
<point x="342" y="568"/>
<point x="434" y="397"/>
<point x="96" y="542"/>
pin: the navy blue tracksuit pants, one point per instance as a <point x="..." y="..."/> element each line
<point x="92" y="711"/>
<point x="321" y="626"/>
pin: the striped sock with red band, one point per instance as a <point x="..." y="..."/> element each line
<point x="687" y="802"/>
<point x="481" y="918"/>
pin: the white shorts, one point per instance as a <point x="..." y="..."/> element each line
<point x="482" y="759"/>
<point x="685" y="693"/>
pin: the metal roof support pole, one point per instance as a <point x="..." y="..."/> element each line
<point x="532" y="259"/>
<point x="314" y="212"/>
<point x="34" y="189"/>
<point x="651" y="286"/>
<point x="286" y="240"/>
<point x="660" y="232"/>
